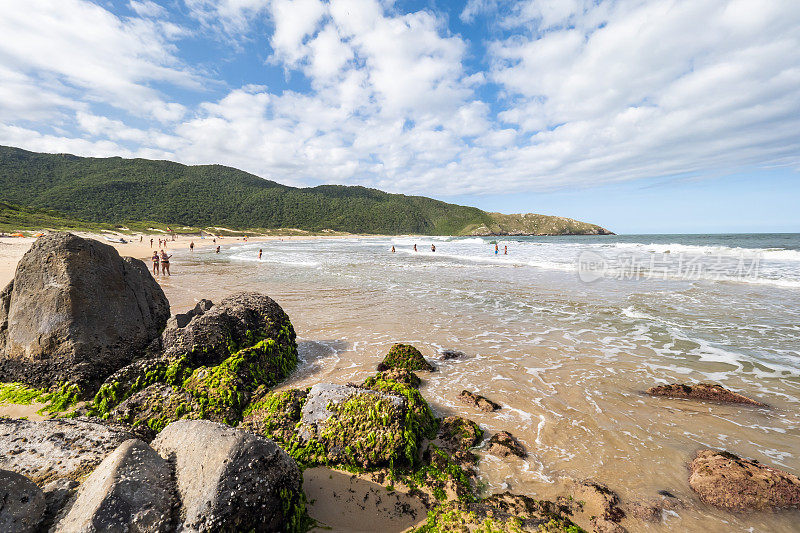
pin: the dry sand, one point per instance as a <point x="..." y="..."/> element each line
<point x="13" y="248"/>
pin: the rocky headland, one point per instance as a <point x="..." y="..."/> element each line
<point x="174" y="424"/>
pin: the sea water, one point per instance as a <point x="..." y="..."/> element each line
<point x="566" y="333"/>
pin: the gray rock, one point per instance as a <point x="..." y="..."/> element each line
<point x="21" y="503"/>
<point x="237" y="322"/>
<point x="130" y="491"/>
<point x="229" y="479"/>
<point x="181" y="320"/>
<point x="76" y="311"/>
<point x="57" y="494"/>
<point x="54" y="449"/>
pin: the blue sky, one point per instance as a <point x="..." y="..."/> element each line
<point x="639" y="115"/>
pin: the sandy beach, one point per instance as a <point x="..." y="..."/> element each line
<point x="138" y="246"/>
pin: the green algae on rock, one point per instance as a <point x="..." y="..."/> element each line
<point x="500" y="513"/>
<point x="406" y="357"/>
<point x="58" y="400"/>
<point x="252" y="345"/>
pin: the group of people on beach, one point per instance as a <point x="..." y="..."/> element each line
<point x="160" y="262"/>
<point x="162" y="243"/>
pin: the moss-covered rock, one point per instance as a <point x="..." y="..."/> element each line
<point x="251" y="344"/>
<point x="500" y="513"/>
<point x="225" y="390"/>
<point x="353" y="426"/>
<point x="154" y="408"/>
<point x="381" y="423"/>
<point x="406" y="357"/>
<point x="238" y="321"/>
<point x="420" y="424"/>
<point x="457" y="436"/>
<point x="276" y="414"/>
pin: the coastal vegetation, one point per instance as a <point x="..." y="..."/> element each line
<point x="67" y="191"/>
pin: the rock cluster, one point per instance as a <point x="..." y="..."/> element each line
<point x="208" y="368"/>
<point x="197" y="476"/>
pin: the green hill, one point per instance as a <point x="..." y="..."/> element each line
<point x="120" y="191"/>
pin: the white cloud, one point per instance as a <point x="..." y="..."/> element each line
<point x="147" y="8"/>
<point x="231" y="16"/>
<point x="97" y="55"/>
<point x="586" y="92"/>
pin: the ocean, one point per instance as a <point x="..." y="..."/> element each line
<point x="566" y="333"/>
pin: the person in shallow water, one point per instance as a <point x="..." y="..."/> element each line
<point x="165" y="263"/>
<point x="259" y="254"/>
<point x="496" y="249"/>
<point x="415" y="247"/>
<point x="217" y="249"/>
<point x="433" y="247"/>
<point x="392" y="248"/>
<point x="191" y="246"/>
<point x="505" y="249"/>
<point x="155" y="262"/>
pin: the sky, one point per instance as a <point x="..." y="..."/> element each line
<point x="644" y="116"/>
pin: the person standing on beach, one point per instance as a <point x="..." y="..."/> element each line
<point x="259" y="254"/>
<point x="191" y="246"/>
<point x="151" y="242"/>
<point x="155" y="262"/>
<point x="165" y="263"/>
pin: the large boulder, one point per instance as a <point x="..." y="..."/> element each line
<point x="728" y="481"/>
<point x="21" y="503"/>
<point x="238" y="321"/>
<point x="55" y="449"/>
<point x="75" y="312"/>
<point x="130" y="491"/>
<point x="232" y="480"/>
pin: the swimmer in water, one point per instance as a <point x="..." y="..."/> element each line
<point x="433" y="248"/>
<point x="392" y="248"/>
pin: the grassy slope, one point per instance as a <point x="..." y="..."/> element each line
<point x="123" y="191"/>
<point x="533" y="224"/>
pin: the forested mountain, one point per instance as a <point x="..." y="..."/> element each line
<point x="117" y="190"/>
